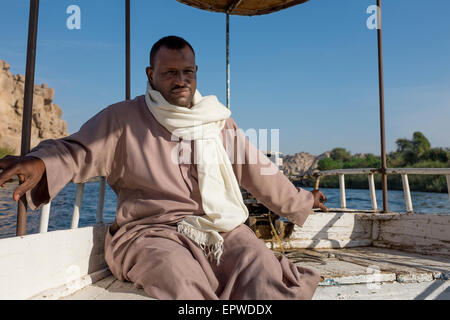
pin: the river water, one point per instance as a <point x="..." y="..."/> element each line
<point x="62" y="206"/>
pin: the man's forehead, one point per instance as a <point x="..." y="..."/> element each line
<point x="167" y="58"/>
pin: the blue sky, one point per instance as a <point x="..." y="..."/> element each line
<point x="309" y="71"/>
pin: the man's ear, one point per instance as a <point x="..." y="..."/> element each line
<point x="149" y="72"/>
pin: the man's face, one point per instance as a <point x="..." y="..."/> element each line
<point x="174" y="75"/>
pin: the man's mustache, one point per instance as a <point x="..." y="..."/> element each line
<point x="178" y="87"/>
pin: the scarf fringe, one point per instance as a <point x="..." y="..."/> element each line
<point x="212" y="251"/>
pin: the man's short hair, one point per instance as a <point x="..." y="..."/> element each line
<point x="170" y="42"/>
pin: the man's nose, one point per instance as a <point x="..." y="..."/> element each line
<point x="180" y="78"/>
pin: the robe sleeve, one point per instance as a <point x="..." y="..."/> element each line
<point x="261" y="177"/>
<point x="76" y="158"/>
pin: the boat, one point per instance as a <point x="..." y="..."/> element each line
<point x="360" y="254"/>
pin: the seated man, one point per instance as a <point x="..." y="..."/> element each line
<point x="179" y="231"/>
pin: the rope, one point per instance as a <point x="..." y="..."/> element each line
<point x="274" y="232"/>
<point x="294" y="256"/>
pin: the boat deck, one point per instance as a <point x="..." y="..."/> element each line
<point x="351" y="273"/>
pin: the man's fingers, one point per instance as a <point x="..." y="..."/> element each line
<point x="24" y="187"/>
<point x="8" y="174"/>
<point x="3" y="184"/>
<point x="323" y="208"/>
<point x="322" y="196"/>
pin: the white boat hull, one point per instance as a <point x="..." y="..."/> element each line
<point x="407" y="248"/>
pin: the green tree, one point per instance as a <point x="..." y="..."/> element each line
<point x="404" y="145"/>
<point x="438" y="154"/>
<point x="329" y="164"/>
<point x="411" y="151"/>
<point x="421" y="145"/>
<point x="340" y="154"/>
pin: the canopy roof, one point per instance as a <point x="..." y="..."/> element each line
<point x="242" y="7"/>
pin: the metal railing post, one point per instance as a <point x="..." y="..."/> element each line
<point x="228" y="59"/>
<point x="127" y="51"/>
<point x="407" y="193"/>
<point x="316" y="183"/>
<point x="448" y="185"/>
<point x="373" y="196"/>
<point x="77" y="206"/>
<point x="342" y="191"/>
<point x="45" y="215"/>
<point x="381" y="97"/>
<point x="101" y="200"/>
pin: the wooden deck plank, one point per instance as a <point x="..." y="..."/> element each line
<point x="123" y="291"/>
<point x="109" y="289"/>
<point x="371" y="264"/>
<point x="341" y="272"/>
<point x="92" y="291"/>
<point x="434" y="290"/>
<point x="408" y="267"/>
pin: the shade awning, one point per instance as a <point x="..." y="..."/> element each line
<point x="242" y="7"/>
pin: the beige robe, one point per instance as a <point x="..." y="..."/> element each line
<point x="125" y="143"/>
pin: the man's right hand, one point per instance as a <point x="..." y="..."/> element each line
<point x="319" y="200"/>
<point x="29" y="170"/>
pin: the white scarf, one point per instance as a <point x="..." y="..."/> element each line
<point x="221" y="197"/>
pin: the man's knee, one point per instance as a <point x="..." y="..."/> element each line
<point x="170" y="273"/>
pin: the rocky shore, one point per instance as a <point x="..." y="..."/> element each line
<point x="46" y="120"/>
<point x="302" y="163"/>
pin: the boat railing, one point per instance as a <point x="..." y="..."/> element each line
<point x="45" y="210"/>
<point x="404" y="172"/>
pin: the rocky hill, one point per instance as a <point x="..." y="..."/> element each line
<point x="302" y="163"/>
<point x="46" y="120"/>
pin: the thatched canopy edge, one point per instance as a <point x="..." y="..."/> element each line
<point x="243" y="7"/>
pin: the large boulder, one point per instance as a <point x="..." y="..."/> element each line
<point x="46" y="120"/>
<point x="302" y="163"/>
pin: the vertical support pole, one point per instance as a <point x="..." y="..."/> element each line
<point x="373" y="196"/>
<point x="21" y="226"/>
<point x="77" y="206"/>
<point x="45" y="215"/>
<point x="228" y="61"/>
<point x="316" y="184"/>
<point x="448" y="185"/>
<point x="381" y="95"/>
<point x="342" y="189"/>
<point x="127" y="51"/>
<point x="101" y="200"/>
<point x="407" y="193"/>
